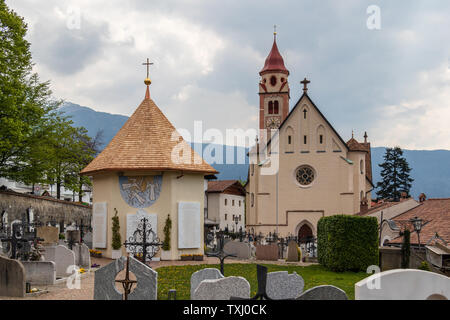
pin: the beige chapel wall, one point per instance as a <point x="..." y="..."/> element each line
<point x="106" y="189"/>
<point x="334" y="191"/>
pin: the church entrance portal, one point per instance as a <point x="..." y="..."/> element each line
<point x="304" y="233"/>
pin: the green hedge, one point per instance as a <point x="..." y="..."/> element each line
<point x="347" y="242"/>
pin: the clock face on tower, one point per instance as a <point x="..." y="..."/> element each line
<point x="273" y="122"/>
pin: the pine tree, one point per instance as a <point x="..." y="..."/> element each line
<point x="395" y="175"/>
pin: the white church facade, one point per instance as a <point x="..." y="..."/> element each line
<point x="304" y="170"/>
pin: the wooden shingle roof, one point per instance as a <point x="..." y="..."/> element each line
<point x="145" y="142"/>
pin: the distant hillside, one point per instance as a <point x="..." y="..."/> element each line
<point x="430" y="169"/>
<point x="94" y="121"/>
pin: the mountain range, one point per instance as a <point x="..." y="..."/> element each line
<point x="430" y="169"/>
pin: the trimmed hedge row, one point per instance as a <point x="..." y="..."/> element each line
<point x="347" y="242"/>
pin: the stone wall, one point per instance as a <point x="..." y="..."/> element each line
<point x="16" y="204"/>
<point x="391" y="258"/>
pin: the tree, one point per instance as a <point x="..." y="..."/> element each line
<point x="25" y="102"/>
<point x="395" y="175"/>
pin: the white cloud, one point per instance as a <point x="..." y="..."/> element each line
<point x="422" y="120"/>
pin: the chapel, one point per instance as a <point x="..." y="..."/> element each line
<point x="301" y="169"/>
<point x="149" y="171"/>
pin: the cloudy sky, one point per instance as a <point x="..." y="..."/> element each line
<point x="393" y="82"/>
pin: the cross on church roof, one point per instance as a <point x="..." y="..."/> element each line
<point x="305" y="83"/>
<point x="148" y="64"/>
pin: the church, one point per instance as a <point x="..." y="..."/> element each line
<point x="149" y="171"/>
<point x="303" y="170"/>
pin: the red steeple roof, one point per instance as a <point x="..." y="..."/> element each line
<point x="274" y="61"/>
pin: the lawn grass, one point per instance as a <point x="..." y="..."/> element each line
<point x="179" y="277"/>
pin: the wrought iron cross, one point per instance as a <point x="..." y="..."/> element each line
<point x="305" y="83"/>
<point x="127" y="283"/>
<point x="220" y="254"/>
<point x="144" y="241"/>
<point x="148" y="64"/>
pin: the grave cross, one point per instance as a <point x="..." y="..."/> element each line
<point x="220" y="254"/>
<point x="145" y="238"/>
<point x="127" y="283"/>
<point x="14" y="240"/>
<point x="262" y="285"/>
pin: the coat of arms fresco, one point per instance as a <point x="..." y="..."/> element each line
<point x="140" y="192"/>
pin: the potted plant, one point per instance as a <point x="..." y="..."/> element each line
<point x="116" y="244"/>
<point x="165" y="252"/>
<point x="186" y="257"/>
<point x="61" y="237"/>
<point x="198" y="257"/>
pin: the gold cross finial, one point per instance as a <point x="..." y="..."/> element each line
<point x="148" y="64"/>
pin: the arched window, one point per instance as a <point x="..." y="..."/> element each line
<point x="252" y="199"/>
<point x="289" y="147"/>
<point x="273" y="80"/>
<point x="270" y="107"/>
<point x="361" y="166"/>
<point x="276" y="108"/>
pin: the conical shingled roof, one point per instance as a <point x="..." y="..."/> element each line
<point x="145" y="143"/>
<point x="274" y="61"/>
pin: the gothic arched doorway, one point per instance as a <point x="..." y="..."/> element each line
<point x="305" y="233"/>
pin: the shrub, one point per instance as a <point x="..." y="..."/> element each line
<point x="167" y="231"/>
<point x="406" y="248"/>
<point x="116" y="239"/>
<point x="62" y="236"/>
<point x="424" y="266"/>
<point x="347" y="242"/>
<point x="299" y="251"/>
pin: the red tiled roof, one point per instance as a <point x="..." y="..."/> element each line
<point x="436" y="216"/>
<point x="145" y="142"/>
<point x="380" y="206"/>
<point x="274" y="61"/>
<point x="223" y="185"/>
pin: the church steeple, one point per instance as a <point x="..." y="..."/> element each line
<point x="274" y="61"/>
<point x="273" y="90"/>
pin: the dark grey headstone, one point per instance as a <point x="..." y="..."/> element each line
<point x="324" y="293"/>
<point x="145" y="289"/>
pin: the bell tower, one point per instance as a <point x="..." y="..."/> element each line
<point x="273" y="90"/>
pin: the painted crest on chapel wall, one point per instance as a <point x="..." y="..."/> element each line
<point x="140" y="192"/>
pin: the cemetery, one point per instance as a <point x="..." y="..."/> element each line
<point x="302" y="225"/>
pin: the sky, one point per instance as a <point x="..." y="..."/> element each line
<point x="384" y="70"/>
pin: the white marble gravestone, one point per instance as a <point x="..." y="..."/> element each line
<point x="134" y="219"/>
<point x="189" y="226"/>
<point x="99" y="224"/>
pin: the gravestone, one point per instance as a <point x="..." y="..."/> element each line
<point x="240" y="249"/>
<point x="222" y="289"/>
<point x="12" y="278"/>
<point x="49" y="234"/>
<point x="204" y="274"/>
<point x="88" y="239"/>
<point x="292" y="252"/>
<point x="40" y="272"/>
<point x="403" y="284"/>
<point x="62" y="257"/>
<point x="282" y="285"/>
<point x="145" y="289"/>
<point x="73" y="236"/>
<point x="267" y="252"/>
<point x="324" y="293"/>
<point x="82" y="255"/>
